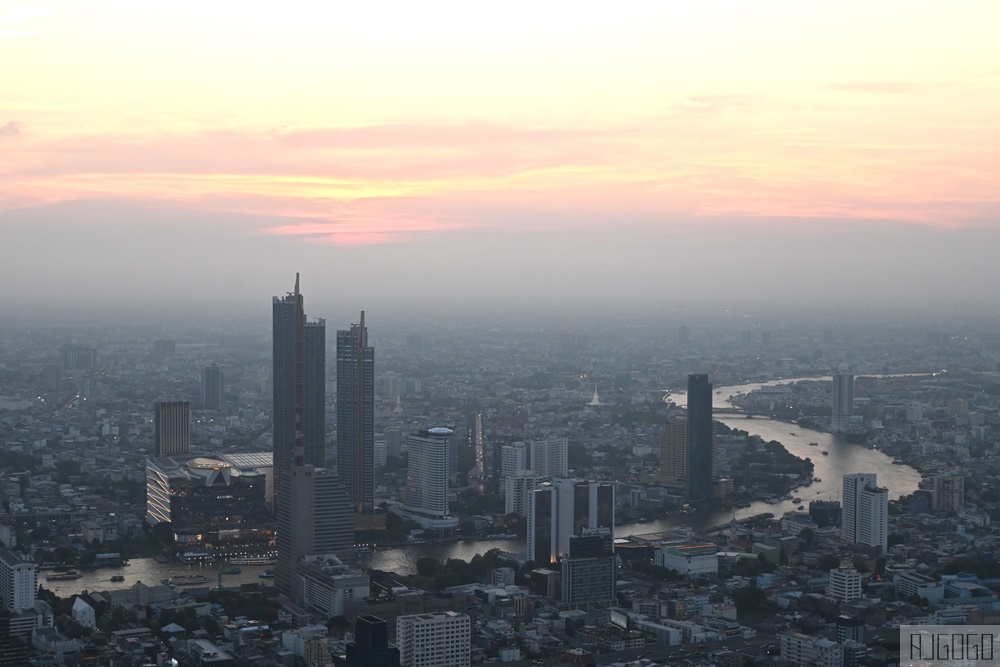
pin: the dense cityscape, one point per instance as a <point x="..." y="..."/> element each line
<point x="638" y="494"/>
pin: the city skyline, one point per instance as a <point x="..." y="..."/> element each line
<point x="747" y="145"/>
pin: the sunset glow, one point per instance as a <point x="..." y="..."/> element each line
<point x="380" y="124"/>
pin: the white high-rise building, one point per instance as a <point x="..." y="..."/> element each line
<point x="548" y="458"/>
<point x="434" y="640"/>
<point x="843" y="399"/>
<point x="845" y="584"/>
<point x="514" y="459"/>
<point x="18" y="581"/>
<point x="517" y="491"/>
<point x="864" y="511"/>
<point x="427" y="472"/>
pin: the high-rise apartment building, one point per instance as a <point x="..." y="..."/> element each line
<point x="864" y="511"/>
<point x="172" y="428"/>
<point x="701" y="459"/>
<point x="434" y="640"/>
<point x="211" y="388"/>
<point x="18" y="581"/>
<point x="356" y="415"/>
<point x="561" y="510"/>
<point x="427" y="472"/>
<point x="314" y="518"/>
<point x="673" y="454"/>
<point x="299" y="383"/>
<point x="517" y="491"/>
<point x="843" y="399"/>
<point x="588" y="572"/>
<point x="549" y="458"/>
<point x="948" y="493"/>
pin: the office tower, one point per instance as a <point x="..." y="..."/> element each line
<point x="356" y="415"/>
<point x="434" y="640"/>
<point x="824" y="512"/>
<point x="371" y="646"/>
<point x="701" y="465"/>
<point x="314" y="518"/>
<point x="172" y="428"/>
<point x="477" y="444"/>
<point x="211" y="388"/>
<point x="548" y="458"/>
<point x="843" y="399"/>
<point x="588" y="571"/>
<point x="948" y="494"/>
<point x="427" y="472"/>
<point x="299" y="383"/>
<point x="864" y="511"/>
<point x="673" y="453"/>
<point x="78" y="358"/>
<point x="560" y="510"/>
<point x="18" y="581"/>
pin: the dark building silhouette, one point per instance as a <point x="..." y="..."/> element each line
<point x="299" y="383"/>
<point x="171" y="428"/>
<point x="356" y="415"/>
<point x="13" y="651"/>
<point x="371" y="647"/>
<point x="700" y="438"/>
<point x="211" y="387"/>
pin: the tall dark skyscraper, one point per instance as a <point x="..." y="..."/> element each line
<point x="211" y="387"/>
<point x="356" y="415"/>
<point x="299" y="410"/>
<point x="700" y="438"/>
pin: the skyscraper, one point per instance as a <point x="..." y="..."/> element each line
<point x="549" y="458"/>
<point x="172" y="427"/>
<point x="314" y="518"/>
<point x="673" y="453"/>
<point x="299" y="384"/>
<point x="563" y="509"/>
<point x="843" y="399"/>
<point x="356" y="415"/>
<point x="18" y="581"/>
<point x="700" y="437"/>
<point x="211" y="387"/>
<point x="864" y="511"/>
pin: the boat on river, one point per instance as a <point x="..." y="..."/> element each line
<point x="193" y="580"/>
<point x="253" y="560"/>
<point x="68" y="575"/>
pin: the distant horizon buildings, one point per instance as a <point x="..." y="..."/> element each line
<point x="211" y="387"/>
<point x="356" y="415"/>
<point x="864" y="511"/>
<point x="171" y="428"/>
<point x="843" y="400"/>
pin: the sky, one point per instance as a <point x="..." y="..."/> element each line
<point x="457" y="155"/>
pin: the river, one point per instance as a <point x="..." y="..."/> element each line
<point x="843" y="458"/>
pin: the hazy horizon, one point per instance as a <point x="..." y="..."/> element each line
<point x="542" y="161"/>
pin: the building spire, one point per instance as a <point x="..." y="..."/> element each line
<point x="296" y="283"/>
